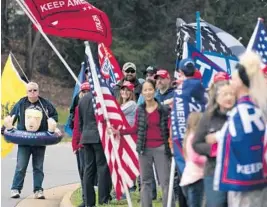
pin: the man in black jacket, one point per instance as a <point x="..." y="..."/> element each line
<point x="24" y="151"/>
<point x="93" y="155"/>
<point x="129" y="72"/>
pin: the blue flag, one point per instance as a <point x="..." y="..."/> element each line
<point x="258" y="41"/>
<point x="189" y="97"/>
<point x="76" y="90"/>
<point x="207" y="68"/>
<point x="240" y="158"/>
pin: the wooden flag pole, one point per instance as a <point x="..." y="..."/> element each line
<point x="28" y="12"/>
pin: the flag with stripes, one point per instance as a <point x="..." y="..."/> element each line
<point x="213" y="38"/>
<point x="258" y="41"/>
<point x="109" y="66"/>
<point x="125" y="146"/>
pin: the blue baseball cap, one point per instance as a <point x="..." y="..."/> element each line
<point x="187" y="66"/>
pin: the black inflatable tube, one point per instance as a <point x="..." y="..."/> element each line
<point x="31" y="138"/>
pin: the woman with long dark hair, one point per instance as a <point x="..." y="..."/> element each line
<point x="151" y="127"/>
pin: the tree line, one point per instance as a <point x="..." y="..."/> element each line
<point x="144" y="32"/>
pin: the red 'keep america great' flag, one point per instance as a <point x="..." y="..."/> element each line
<point x="72" y="18"/>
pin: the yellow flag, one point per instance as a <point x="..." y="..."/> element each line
<point x="13" y="88"/>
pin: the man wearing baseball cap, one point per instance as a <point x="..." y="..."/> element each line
<point x="150" y="72"/>
<point x="191" y="84"/>
<point x="129" y="72"/>
<point x="165" y="91"/>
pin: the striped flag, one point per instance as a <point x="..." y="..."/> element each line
<point x="258" y="41"/>
<point x="109" y="67"/>
<point x="125" y="146"/>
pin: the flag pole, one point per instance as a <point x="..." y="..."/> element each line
<point x="170" y="192"/>
<point x="88" y="52"/>
<point x="198" y="32"/>
<point x="27" y="11"/>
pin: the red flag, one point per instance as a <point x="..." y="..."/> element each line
<point x="109" y="66"/>
<point x="72" y="18"/>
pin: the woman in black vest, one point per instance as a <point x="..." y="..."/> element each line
<point x="151" y="127"/>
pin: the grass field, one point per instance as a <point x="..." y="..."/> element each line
<point x="63" y="114"/>
<point x="76" y="199"/>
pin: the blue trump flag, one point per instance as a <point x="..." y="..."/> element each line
<point x="81" y="78"/>
<point x="207" y="68"/>
<point x="188" y="97"/>
<point x="241" y="163"/>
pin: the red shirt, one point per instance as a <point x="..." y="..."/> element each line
<point x="153" y="133"/>
<point x="76" y="134"/>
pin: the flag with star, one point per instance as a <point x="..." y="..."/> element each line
<point x="71" y="19"/>
<point x="258" y="41"/>
<point x="210" y="41"/>
<point x="125" y="146"/>
<point x="217" y="45"/>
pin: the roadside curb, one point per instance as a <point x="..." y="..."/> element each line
<point x="54" y="197"/>
<point x="66" y="202"/>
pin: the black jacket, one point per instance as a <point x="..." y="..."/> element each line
<point x="208" y="124"/>
<point x="87" y="122"/>
<point x="164" y="112"/>
<point x="137" y="88"/>
<point x="20" y="107"/>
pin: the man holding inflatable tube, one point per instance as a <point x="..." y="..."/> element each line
<point x="32" y="120"/>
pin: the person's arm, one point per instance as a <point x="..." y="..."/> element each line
<point x="196" y="158"/>
<point x="15" y="111"/>
<point x="199" y="143"/>
<point x="133" y="129"/>
<point x="72" y="110"/>
<point x="76" y="131"/>
<point x="80" y="117"/>
<point x="52" y="112"/>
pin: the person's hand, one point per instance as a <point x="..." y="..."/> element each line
<point x="8" y="122"/>
<point x="211" y="138"/>
<point x="58" y="132"/>
<point x="112" y="130"/>
<point x="52" y="125"/>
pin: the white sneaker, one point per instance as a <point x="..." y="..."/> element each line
<point x="14" y="194"/>
<point x="39" y="194"/>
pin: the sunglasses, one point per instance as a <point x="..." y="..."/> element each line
<point x="32" y="90"/>
<point x="130" y="71"/>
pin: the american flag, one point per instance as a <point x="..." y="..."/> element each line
<point x="125" y="146"/>
<point x="258" y="41"/>
<point x="210" y="41"/>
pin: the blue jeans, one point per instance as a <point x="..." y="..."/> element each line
<point x="194" y="194"/>
<point x="23" y="157"/>
<point x="214" y="198"/>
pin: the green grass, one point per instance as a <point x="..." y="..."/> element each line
<point x="63" y="114"/>
<point x="76" y="199"/>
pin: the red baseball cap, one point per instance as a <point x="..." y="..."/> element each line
<point x="221" y="76"/>
<point x="162" y="73"/>
<point x="197" y="75"/>
<point x="128" y="85"/>
<point x="85" y="86"/>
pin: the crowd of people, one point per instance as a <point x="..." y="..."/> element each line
<point x="224" y="147"/>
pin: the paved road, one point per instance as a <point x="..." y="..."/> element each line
<point x="60" y="168"/>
